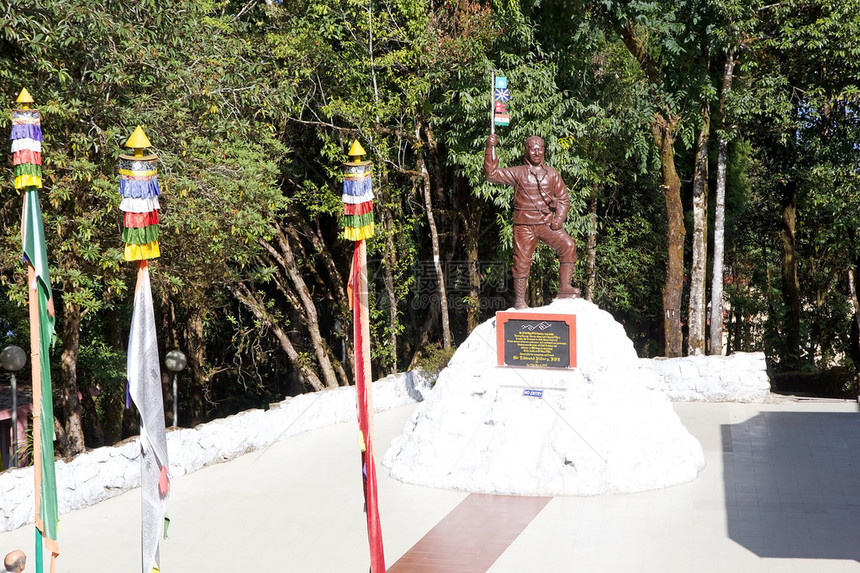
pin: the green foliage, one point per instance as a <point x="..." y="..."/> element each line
<point x="252" y="106"/>
<point x="191" y="79"/>
<point x="803" y="76"/>
<point x="433" y="359"/>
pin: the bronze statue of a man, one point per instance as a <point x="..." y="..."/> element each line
<point x="541" y="204"/>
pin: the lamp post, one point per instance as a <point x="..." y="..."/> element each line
<point x="12" y="359"/>
<point x="175" y="362"/>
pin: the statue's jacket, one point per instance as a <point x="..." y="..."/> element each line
<point x="540" y="195"/>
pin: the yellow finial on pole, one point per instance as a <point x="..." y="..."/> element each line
<point x="355" y="152"/>
<point x="25" y="99"/>
<point x="138" y="141"/>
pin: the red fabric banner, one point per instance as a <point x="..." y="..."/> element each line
<point x="26" y="156"/>
<point x="364" y="393"/>
<point x="357" y="208"/>
<point x="136" y="220"/>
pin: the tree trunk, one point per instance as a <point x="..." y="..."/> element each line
<point x="112" y="400"/>
<point x="470" y="210"/>
<point x="335" y="288"/>
<point x="168" y="341"/>
<point x="729" y="325"/>
<point x="69" y="400"/>
<point x="739" y="330"/>
<point x="389" y="262"/>
<point x="89" y="405"/>
<point x="473" y="272"/>
<point x="388" y="225"/>
<point x="62" y="442"/>
<point x="449" y="238"/>
<point x="328" y="359"/>
<point x="436" y="166"/>
<point x="716" y="346"/>
<point x="472" y="224"/>
<point x="430" y="322"/>
<point x="196" y="354"/>
<point x="258" y="309"/>
<point x="716" y="332"/>
<point x="663" y="131"/>
<point x="434" y="241"/>
<point x="699" y="269"/>
<point x="284" y="256"/>
<point x="790" y="283"/>
<point x="591" y="246"/>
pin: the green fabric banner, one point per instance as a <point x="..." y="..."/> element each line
<point x="140" y="235"/>
<point x="34" y="251"/>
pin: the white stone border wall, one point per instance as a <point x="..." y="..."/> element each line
<point x="739" y="377"/>
<point x="106" y="472"/>
<point x="103" y="473"/>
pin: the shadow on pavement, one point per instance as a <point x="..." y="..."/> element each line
<point x="792" y="484"/>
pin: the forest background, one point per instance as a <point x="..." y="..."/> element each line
<point x="710" y="149"/>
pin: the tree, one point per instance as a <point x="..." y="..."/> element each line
<point x="716" y="315"/>
<point x="668" y="50"/>
<point x="102" y="70"/>
<point x="805" y="71"/>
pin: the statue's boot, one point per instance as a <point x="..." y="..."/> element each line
<point x="565" y="289"/>
<point x="520" y="286"/>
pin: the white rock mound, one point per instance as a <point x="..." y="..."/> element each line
<point x="603" y="427"/>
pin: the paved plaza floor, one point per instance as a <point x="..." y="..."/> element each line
<point x="780" y="492"/>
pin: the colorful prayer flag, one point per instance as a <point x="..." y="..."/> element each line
<point x="358" y="220"/>
<point x="27" y="137"/>
<point x="357" y="197"/>
<point x="139" y="189"/>
<point x="501" y="96"/>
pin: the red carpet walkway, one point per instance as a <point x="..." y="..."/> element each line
<point x="473" y="536"/>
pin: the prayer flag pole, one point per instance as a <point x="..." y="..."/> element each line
<point x="139" y="190"/>
<point x="358" y="226"/>
<point x="26" y="139"/>
<point x="492" y="102"/>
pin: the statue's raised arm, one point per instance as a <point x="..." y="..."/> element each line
<point x="541" y="204"/>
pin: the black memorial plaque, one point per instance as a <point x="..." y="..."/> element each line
<point x="537" y="341"/>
